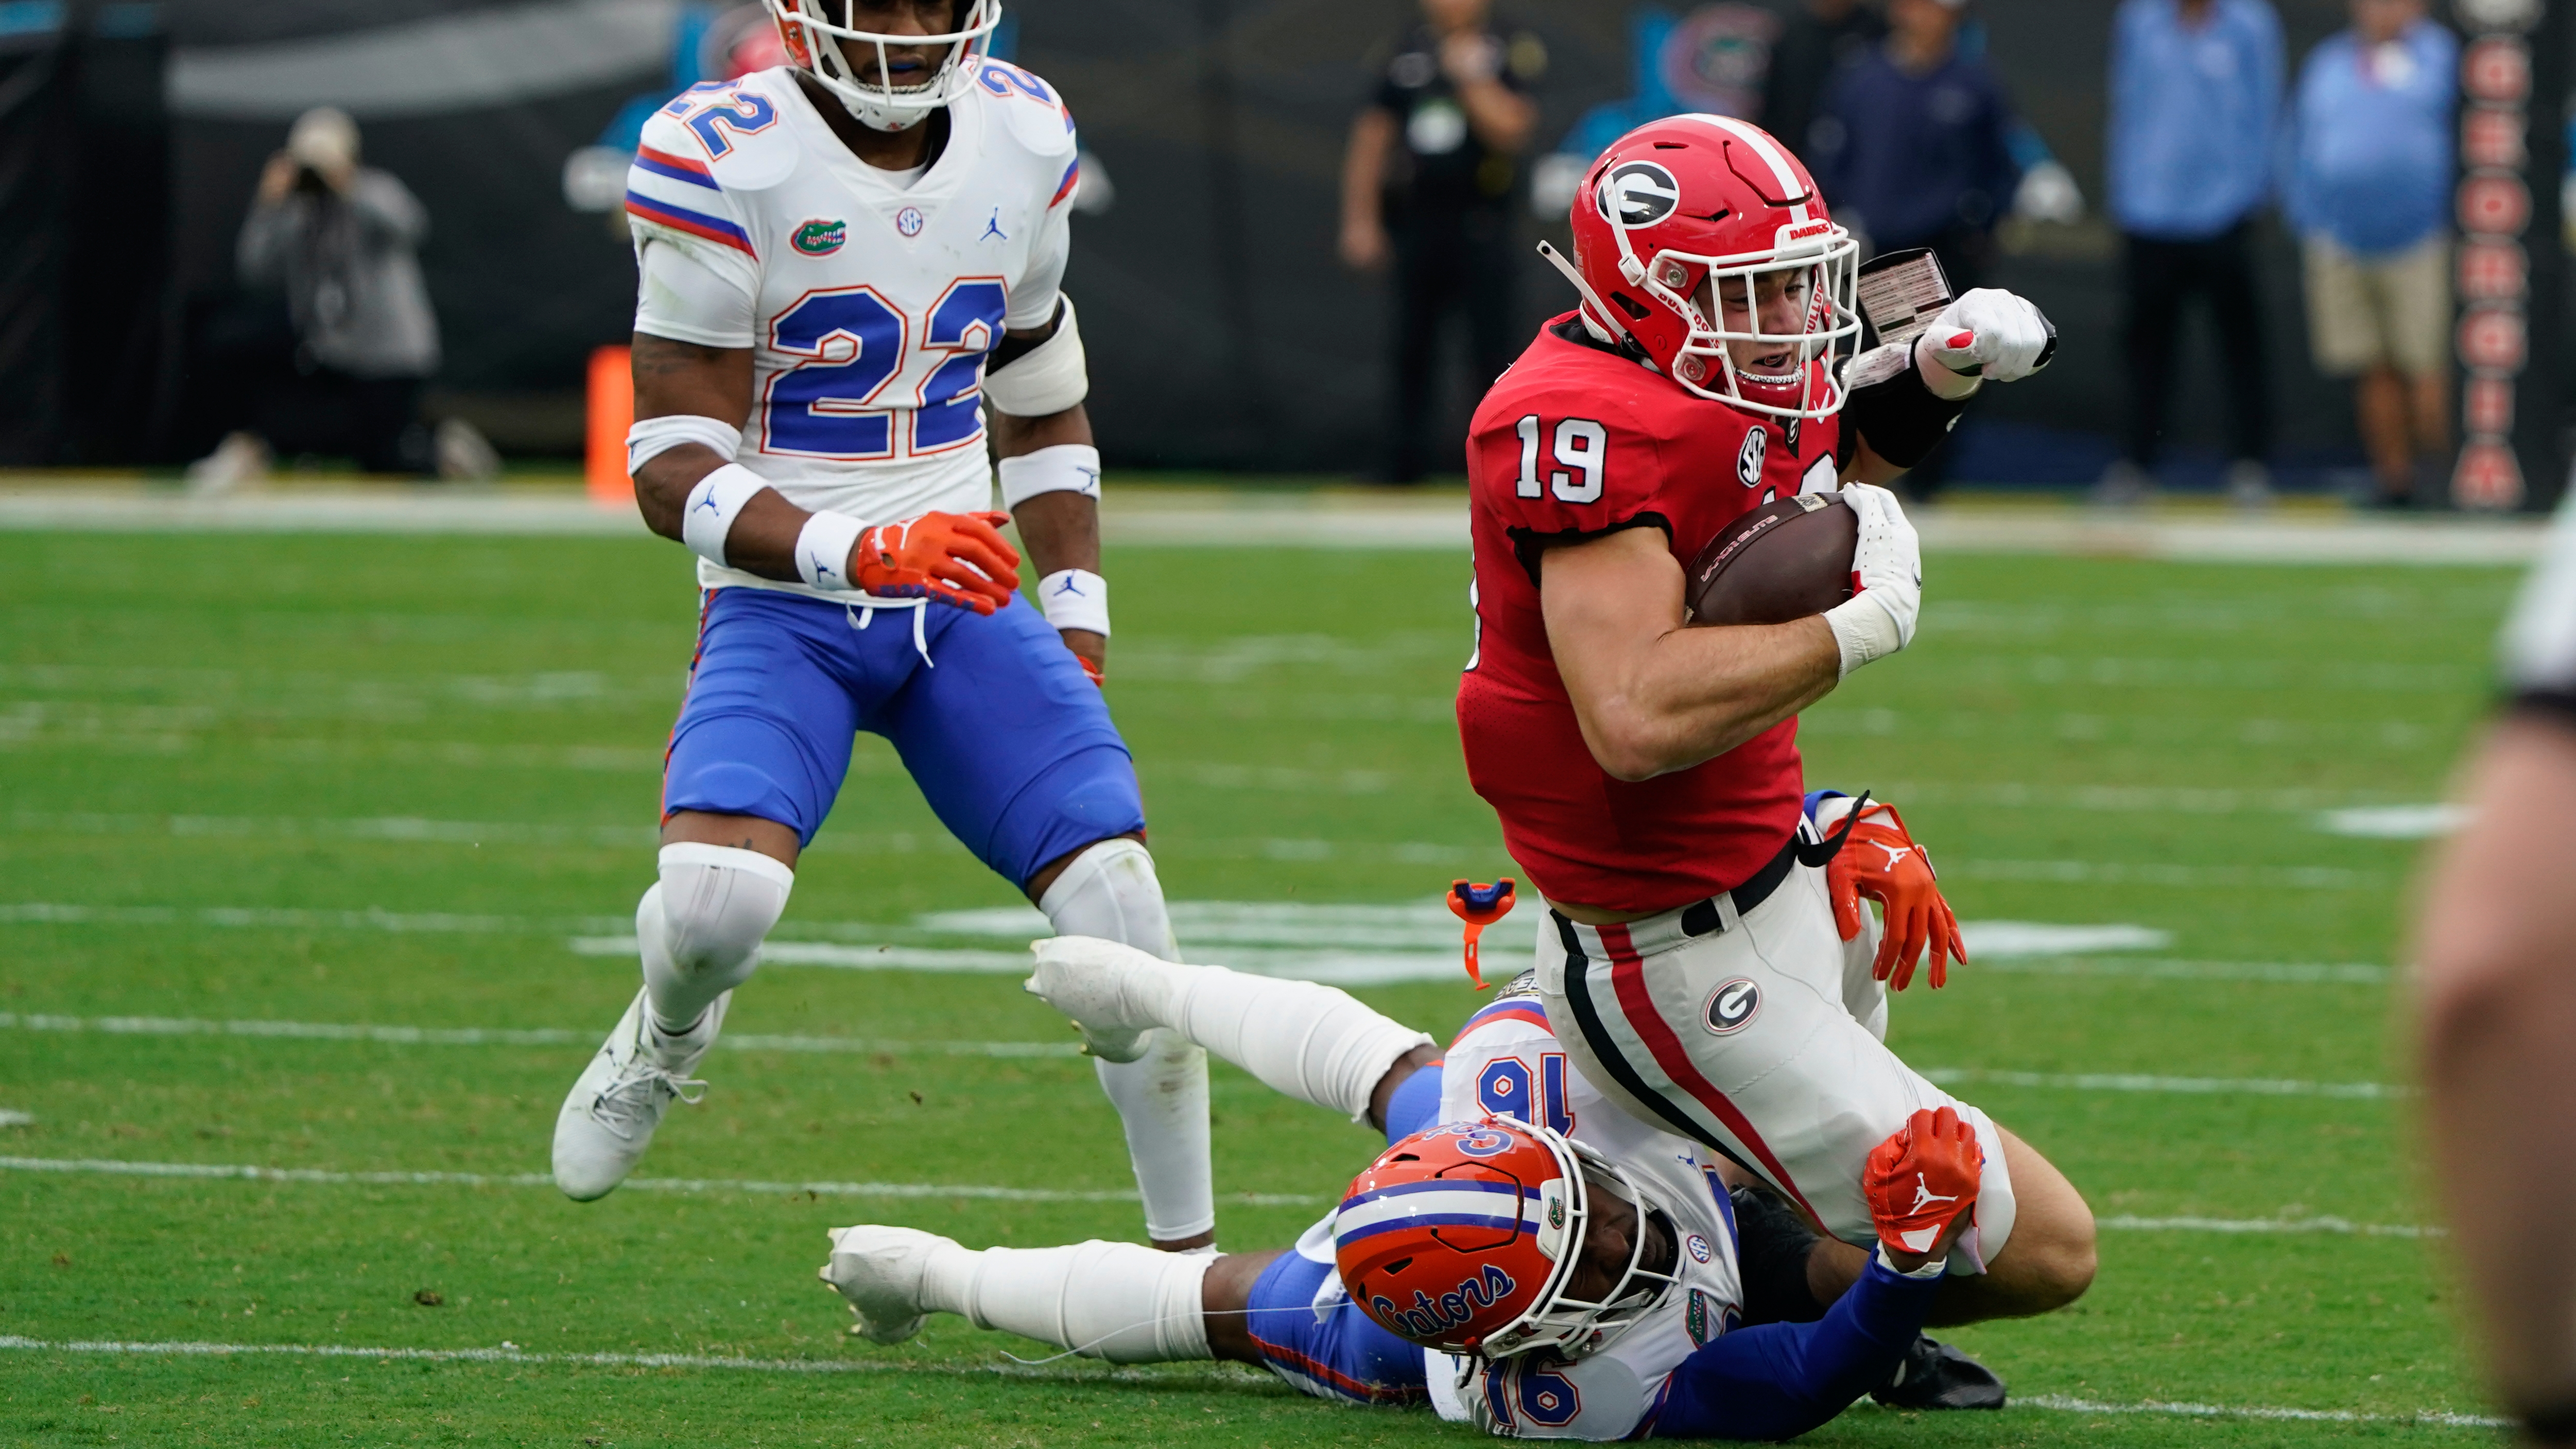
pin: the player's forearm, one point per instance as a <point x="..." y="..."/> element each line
<point x="2498" y="1009"/>
<point x="762" y="540"/>
<point x="1694" y="694"/>
<point x="1059" y="530"/>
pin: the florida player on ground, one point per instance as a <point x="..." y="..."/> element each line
<point x="1601" y="1300"/>
<point x="1646" y="773"/>
<point x="849" y="265"/>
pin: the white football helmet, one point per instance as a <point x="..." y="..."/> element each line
<point x="838" y="56"/>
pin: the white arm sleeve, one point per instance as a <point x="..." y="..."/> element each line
<point x="1033" y="295"/>
<point x="689" y="291"/>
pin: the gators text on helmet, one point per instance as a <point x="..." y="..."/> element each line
<point x="1466" y="1238"/>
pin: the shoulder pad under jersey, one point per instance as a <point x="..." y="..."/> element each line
<point x="1027" y="110"/>
<point x="736" y="130"/>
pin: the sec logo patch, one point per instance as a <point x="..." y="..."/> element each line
<point x="1698" y="1247"/>
<point x="908" y="221"/>
<point x="1748" y="463"/>
<point x="1732" y="1007"/>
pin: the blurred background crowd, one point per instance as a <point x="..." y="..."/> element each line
<point x="390" y="233"/>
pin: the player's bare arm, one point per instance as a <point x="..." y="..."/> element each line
<point x="1652" y="695"/>
<point x="1059" y="528"/>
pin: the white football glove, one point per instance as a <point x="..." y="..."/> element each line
<point x="2008" y="339"/>
<point x="1879" y="620"/>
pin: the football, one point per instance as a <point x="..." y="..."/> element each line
<point x="1784" y="560"/>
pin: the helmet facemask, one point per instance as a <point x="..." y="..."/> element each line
<point x="839" y="57"/>
<point x="1723" y="299"/>
<point x="1557" y="1320"/>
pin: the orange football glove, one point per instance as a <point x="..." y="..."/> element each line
<point x="1880" y="861"/>
<point x="1922" y="1182"/>
<point x="1098" y="676"/>
<point x="955" y="558"/>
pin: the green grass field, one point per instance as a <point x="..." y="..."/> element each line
<point x="389" y="782"/>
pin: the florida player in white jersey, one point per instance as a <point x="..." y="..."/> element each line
<point x="1619" y="1342"/>
<point x="849" y="286"/>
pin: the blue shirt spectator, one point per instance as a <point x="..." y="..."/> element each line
<point x="2194" y="99"/>
<point x="2368" y="147"/>
<point x="1914" y="155"/>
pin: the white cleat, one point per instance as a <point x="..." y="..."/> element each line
<point x="879" y="1272"/>
<point x="1104" y="987"/>
<point x="608" y="1121"/>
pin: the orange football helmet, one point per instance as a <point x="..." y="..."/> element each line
<point x="1465" y="1238"/>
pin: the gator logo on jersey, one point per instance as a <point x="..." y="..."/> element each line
<point x="1697" y="1319"/>
<point x="1732" y="1006"/>
<point x="820" y="238"/>
<point x="1748" y="461"/>
<point x="1430" y="1317"/>
<point x="908" y="221"/>
<point x="1644" y="192"/>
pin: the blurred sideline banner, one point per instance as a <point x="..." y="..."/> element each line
<point x="1229" y="336"/>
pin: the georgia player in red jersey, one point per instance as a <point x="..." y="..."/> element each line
<point x="1647" y="774"/>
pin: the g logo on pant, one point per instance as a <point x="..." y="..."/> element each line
<point x="1732" y="1006"/>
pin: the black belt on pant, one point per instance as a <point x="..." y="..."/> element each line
<point x="1707" y="917"/>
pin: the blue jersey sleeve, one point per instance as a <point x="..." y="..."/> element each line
<point x="1782" y="1379"/>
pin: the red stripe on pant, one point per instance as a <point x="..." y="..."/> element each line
<point x="1628" y="980"/>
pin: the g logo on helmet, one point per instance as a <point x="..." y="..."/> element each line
<point x="1645" y="193"/>
<point x="1732" y="1006"/>
<point x="1748" y="461"/>
<point x="1484" y="1143"/>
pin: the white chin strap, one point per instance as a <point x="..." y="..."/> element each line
<point x="840" y="55"/>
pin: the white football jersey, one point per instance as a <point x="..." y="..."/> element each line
<point x="869" y="298"/>
<point x="1507" y="1061"/>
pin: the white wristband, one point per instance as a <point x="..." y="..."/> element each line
<point x="1865" y="630"/>
<point x="1064" y="468"/>
<point x="823" y="551"/>
<point x="653" y="437"/>
<point x="1075" y="599"/>
<point x="712" y="506"/>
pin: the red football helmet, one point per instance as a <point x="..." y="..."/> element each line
<point x="1686" y="231"/>
<point x="1463" y="1238"/>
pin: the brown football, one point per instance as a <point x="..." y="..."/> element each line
<point x="1785" y="560"/>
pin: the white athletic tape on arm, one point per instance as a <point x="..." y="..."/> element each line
<point x="1064" y="468"/>
<point x="712" y="505"/>
<point x="1864" y="629"/>
<point x="1075" y="599"/>
<point x="823" y="550"/>
<point x="653" y="437"/>
<point x="1047" y="378"/>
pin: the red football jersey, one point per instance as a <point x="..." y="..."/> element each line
<point x="1573" y="442"/>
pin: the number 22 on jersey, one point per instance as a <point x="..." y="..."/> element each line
<point x="842" y="401"/>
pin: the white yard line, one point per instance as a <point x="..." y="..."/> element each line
<point x="1323" y="518"/>
<point x="2333" y="1225"/>
<point x="252" y="1173"/>
<point x="2298" y="973"/>
<point x="244" y="1172"/>
<point x="508" y="1036"/>
<point x="512" y="1354"/>
<point x="2194" y="1086"/>
<point x="2437" y="1418"/>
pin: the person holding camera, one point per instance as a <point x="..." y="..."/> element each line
<point x="341" y="240"/>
